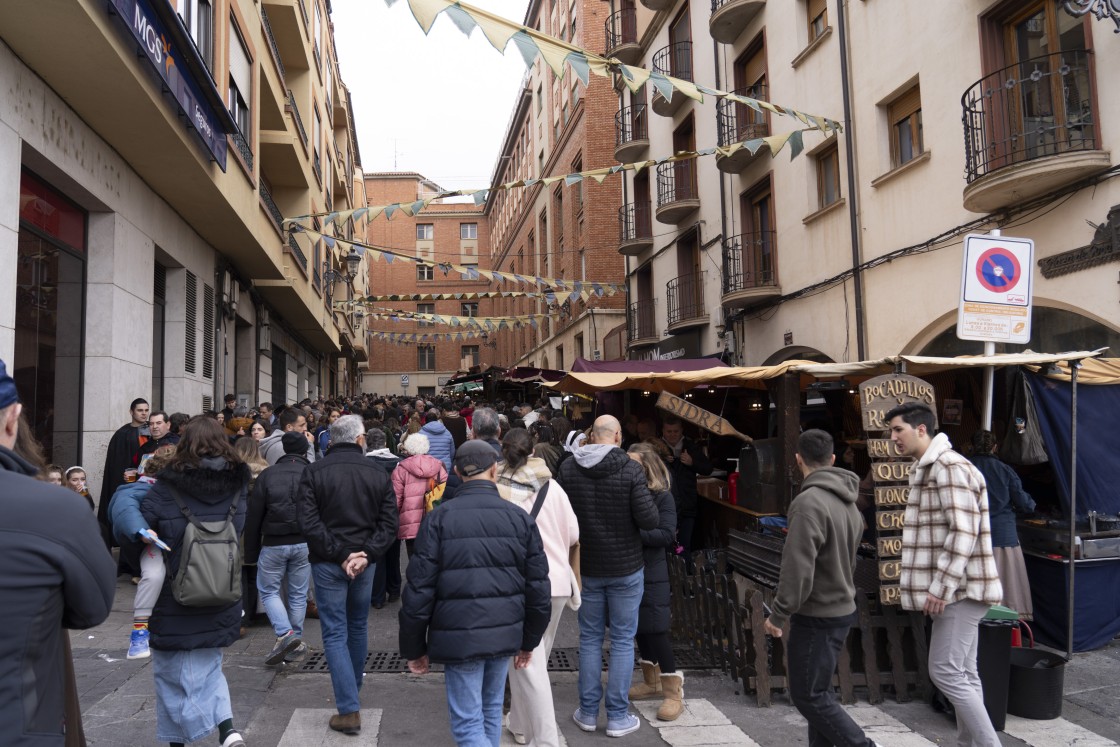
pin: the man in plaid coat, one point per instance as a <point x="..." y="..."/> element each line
<point x="948" y="568"/>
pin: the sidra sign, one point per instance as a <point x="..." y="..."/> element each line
<point x="156" y="43"/>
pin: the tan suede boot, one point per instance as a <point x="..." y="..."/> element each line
<point x="650" y="686"/>
<point x="672" y="686"/>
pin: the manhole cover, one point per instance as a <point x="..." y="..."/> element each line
<point x="561" y="660"/>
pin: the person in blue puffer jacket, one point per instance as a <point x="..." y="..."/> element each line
<point x="129" y="528"/>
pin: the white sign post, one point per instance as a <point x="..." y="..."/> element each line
<point x="997" y="291"/>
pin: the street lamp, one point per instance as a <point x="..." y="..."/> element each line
<point x="332" y="276"/>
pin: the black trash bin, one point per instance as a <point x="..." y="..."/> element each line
<point x="993" y="664"/>
<point x="1037" y="679"/>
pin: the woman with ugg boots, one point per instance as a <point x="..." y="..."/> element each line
<point x="660" y="677"/>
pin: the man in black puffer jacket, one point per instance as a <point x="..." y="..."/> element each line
<point x="477" y="593"/>
<point x="348" y="514"/>
<point x="273" y="521"/>
<point x="611" y="498"/>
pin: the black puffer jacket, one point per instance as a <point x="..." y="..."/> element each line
<point x="207" y="491"/>
<point x="611" y="499"/>
<point x="478" y="581"/>
<point x="346" y="505"/>
<point x="684" y="477"/>
<point x="653" y="614"/>
<point x="273" y="517"/>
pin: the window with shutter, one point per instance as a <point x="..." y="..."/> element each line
<point x="818" y="18"/>
<point x="190" y="328"/>
<point x="240" y="80"/>
<point x="905" y="117"/>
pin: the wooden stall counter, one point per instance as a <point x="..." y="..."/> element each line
<point x="717" y="514"/>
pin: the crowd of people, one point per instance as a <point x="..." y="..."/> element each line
<point x="509" y="516"/>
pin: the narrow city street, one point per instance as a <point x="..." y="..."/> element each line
<point x="289" y="707"/>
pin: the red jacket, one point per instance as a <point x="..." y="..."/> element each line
<point x="410" y="482"/>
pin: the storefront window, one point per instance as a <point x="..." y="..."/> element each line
<point x="50" y="303"/>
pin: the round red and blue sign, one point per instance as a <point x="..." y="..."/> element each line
<point x="998" y="270"/>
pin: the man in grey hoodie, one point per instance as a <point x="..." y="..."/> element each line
<point x="292" y="419"/>
<point x="610" y="496"/>
<point x="816" y="591"/>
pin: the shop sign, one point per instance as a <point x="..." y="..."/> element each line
<point x="996" y="289"/>
<point x="892" y="471"/>
<point x="890" y="570"/>
<point x="890" y="594"/>
<point x="889" y="521"/>
<point x="883" y="448"/>
<point x="890" y="547"/>
<point x="894" y="495"/>
<point x="679" y="346"/>
<point x="156" y="43"/>
<point x="709" y="421"/>
<point x="879" y="395"/>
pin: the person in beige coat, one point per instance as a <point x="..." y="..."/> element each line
<point x="532" y="718"/>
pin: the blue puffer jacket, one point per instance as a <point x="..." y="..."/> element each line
<point x="442" y="444"/>
<point x="478" y="581"/>
<point x="124" y="511"/>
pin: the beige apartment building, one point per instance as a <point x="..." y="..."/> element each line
<point x="960" y="117"/>
<point x="149" y="152"/>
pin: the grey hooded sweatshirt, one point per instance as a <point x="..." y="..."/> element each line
<point x="818" y="561"/>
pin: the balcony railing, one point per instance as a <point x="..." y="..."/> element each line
<point x="293" y="246"/>
<point x="634" y="223"/>
<point x="317" y="166"/>
<point x="685" y="298"/>
<point x="272" y="45"/>
<point x="622" y="28"/>
<point x="243" y="148"/>
<point x="296" y="116"/>
<point x="676" y="181"/>
<point x="738" y="122"/>
<point x="1037" y="108"/>
<point x="750" y="261"/>
<point x="270" y="205"/>
<point x="643" y="322"/>
<point x="630" y="125"/>
<point x="674" y="60"/>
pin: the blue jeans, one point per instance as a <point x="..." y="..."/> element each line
<point x="474" y="700"/>
<point x="272" y="564"/>
<point x="617" y="600"/>
<point x="344" y="620"/>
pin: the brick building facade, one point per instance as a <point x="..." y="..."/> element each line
<point x="559" y="126"/>
<point x="444" y="232"/>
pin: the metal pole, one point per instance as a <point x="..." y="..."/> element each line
<point x="989" y="377"/>
<point x="1073" y="367"/>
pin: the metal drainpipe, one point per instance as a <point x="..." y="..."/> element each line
<point x="722" y="211"/>
<point x="853" y="202"/>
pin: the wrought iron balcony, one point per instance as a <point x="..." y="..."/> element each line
<point x="297" y="253"/>
<point x="243" y="148"/>
<point x="622" y="36"/>
<point x="675" y="61"/>
<point x="677" y="195"/>
<point x="272" y="44"/>
<point x="750" y="269"/>
<point x="730" y="17"/>
<point x="270" y="206"/>
<point x="1030" y="128"/>
<point x="685" y="301"/>
<point x="642" y="326"/>
<point x="658" y="4"/>
<point x="738" y="122"/>
<point x="635" y="228"/>
<point x="295" y="115"/>
<point x="631" y="134"/>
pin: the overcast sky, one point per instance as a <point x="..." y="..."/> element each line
<point x="437" y="104"/>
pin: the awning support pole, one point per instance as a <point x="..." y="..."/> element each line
<point x="1073" y="368"/>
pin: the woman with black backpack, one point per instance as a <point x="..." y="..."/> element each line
<point x="201" y="493"/>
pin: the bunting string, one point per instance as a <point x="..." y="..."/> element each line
<point x="465" y="296"/>
<point x="413" y="338"/>
<point x="470" y="272"/>
<point x="774" y="143"/>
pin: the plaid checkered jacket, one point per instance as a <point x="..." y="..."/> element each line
<point x="946" y="538"/>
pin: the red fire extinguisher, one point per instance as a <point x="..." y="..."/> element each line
<point x="733" y="488"/>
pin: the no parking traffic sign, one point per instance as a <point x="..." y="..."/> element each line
<point x="996" y="289"/>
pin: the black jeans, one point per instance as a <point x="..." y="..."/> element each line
<point x="387" y="574"/>
<point x="813" y="646"/>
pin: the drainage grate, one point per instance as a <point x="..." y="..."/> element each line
<point x="561" y="660"/>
